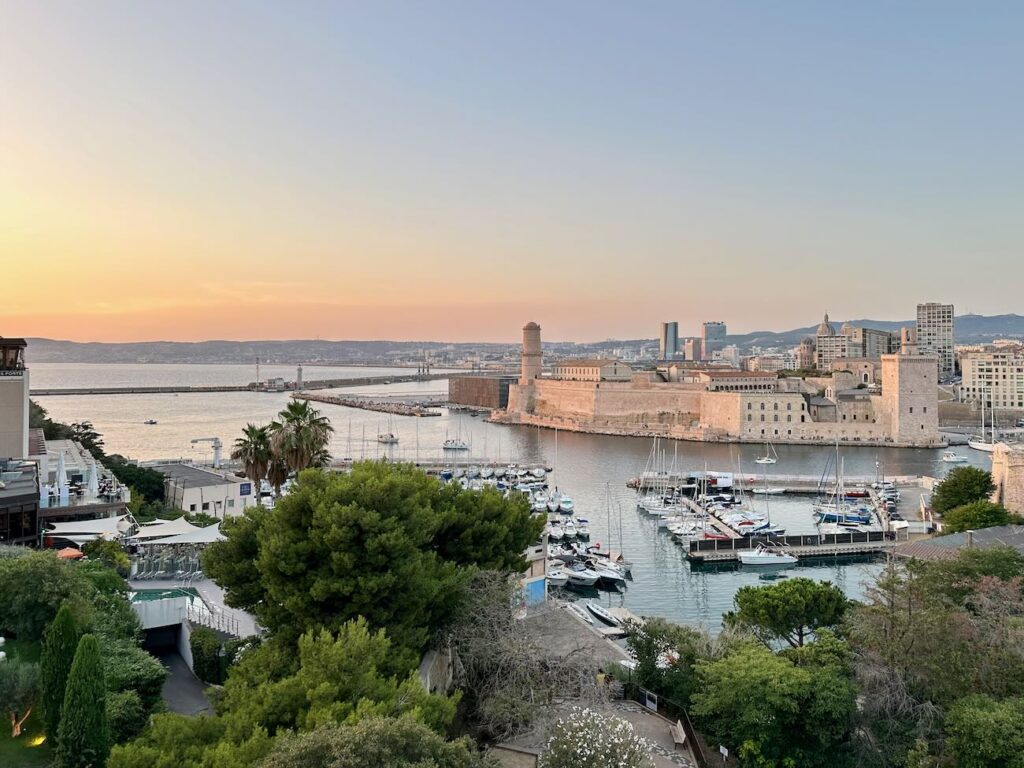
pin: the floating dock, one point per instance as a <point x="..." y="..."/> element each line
<point x="811" y="545"/>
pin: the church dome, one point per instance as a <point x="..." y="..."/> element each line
<point x="825" y="329"/>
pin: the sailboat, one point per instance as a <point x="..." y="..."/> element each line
<point x="837" y="509"/>
<point x="770" y="456"/>
<point x="455" y="443"/>
<point x="979" y="443"/>
<point x="389" y="437"/>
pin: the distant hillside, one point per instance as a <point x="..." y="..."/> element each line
<point x="969" y="329"/>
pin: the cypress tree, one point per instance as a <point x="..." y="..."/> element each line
<point x="59" y="645"/>
<point x="83" y="739"/>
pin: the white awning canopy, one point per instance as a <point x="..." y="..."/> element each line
<point x="206" y="535"/>
<point x="87" y="530"/>
<point x="164" y="528"/>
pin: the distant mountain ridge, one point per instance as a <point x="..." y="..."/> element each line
<point x="968" y="329"/>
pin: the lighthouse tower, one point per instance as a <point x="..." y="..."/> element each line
<point x="532" y="358"/>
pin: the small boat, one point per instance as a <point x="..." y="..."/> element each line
<point x="764" y="556"/>
<point x="557" y="578"/>
<point x="580" y="612"/>
<point x="768" y="491"/>
<point x="150" y="422"/>
<point x="608" y="575"/>
<point x="387" y="438"/>
<point x="565" y="505"/>
<point x="555" y="532"/>
<point x="600" y="612"/>
<point x="499" y="472"/>
<point x="953" y="458"/>
<point x="770" y="456"/>
<point x="455" y="445"/>
<point x="569" y="529"/>
<point x="486" y="473"/>
<point x="582" y="576"/>
<point x="537" y="472"/>
<point x="553" y="502"/>
<point x="582" y="528"/>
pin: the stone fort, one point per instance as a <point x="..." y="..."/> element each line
<point x="891" y="400"/>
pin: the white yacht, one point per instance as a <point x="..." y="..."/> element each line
<point x="582" y="576"/>
<point x="565" y="505"/>
<point x="583" y="527"/>
<point x="954" y="458"/>
<point x="764" y="556"/>
<point x="387" y="438"/>
<point x="556" y="577"/>
<point x="569" y="529"/>
<point x="452" y="444"/>
<point x="770" y="456"/>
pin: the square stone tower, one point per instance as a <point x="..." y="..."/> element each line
<point x="910" y="398"/>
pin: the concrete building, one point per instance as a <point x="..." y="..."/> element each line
<point x="850" y="341"/>
<point x="194" y="489"/>
<point x="591" y="369"/>
<point x="13" y="399"/>
<point x="668" y="340"/>
<point x="805" y="358"/>
<point x="713" y="335"/>
<point x="737" y="406"/>
<point x="935" y="335"/>
<point x="693" y="351"/>
<point x="480" y="391"/>
<point x="1008" y="476"/>
<point x="994" y="379"/>
<point x="19" y="502"/>
<point x="772" y="363"/>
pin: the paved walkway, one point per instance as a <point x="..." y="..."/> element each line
<point x="183" y="692"/>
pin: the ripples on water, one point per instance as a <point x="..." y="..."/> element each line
<point x="590" y="468"/>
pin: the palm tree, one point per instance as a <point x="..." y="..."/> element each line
<point x="300" y="436"/>
<point x="277" y="473"/>
<point x="253" y="450"/>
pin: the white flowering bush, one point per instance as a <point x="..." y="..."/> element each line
<point x="587" y="739"/>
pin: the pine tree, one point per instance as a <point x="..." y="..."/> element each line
<point x="83" y="739"/>
<point x="59" y="645"/>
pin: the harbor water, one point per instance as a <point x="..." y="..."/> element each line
<point x="593" y="469"/>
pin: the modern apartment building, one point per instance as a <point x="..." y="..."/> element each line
<point x="713" y="335"/>
<point x="668" y="340"/>
<point x="935" y="335"/>
<point x="995" y="379"/>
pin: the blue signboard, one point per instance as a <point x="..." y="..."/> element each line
<point x="245" y="489"/>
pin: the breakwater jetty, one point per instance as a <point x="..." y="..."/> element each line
<point x="380" y="406"/>
<point x="362" y="381"/>
<point x="813" y="545"/>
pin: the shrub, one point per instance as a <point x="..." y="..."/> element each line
<point x="126" y="666"/>
<point x="125" y="715"/>
<point x="975" y="516"/>
<point x="207" y="660"/>
<point x="586" y="739"/>
<point x="962" y="485"/>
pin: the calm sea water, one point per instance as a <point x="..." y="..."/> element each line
<point x="593" y="469"/>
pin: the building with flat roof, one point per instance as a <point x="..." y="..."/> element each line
<point x="19" y="502"/>
<point x="194" y="489"/>
<point x="591" y="369"/>
<point x="993" y="379"/>
<point x="935" y="335"/>
<point x="480" y="391"/>
<point x="668" y="340"/>
<point x="712" y="337"/>
<point x="13" y="399"/>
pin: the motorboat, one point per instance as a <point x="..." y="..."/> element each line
<point x="565" y="505"/>
<point x="582" y="576"/>
<point x="607" y="574"/>
<point x="453" y="444"/>
<point x="768" y="491"/>
<point x="953" y="458"/>
<point x="582" y="528"/>
<point x="555" y="532"/>
<point x="569" y="529"/>
<point x="601" y="613"/>
<point x="557" y="578"/>
<point x="150" y="422"/>
<point x="538" y="472"/>
<point x="762" y="555"/>
<point x="580" y="612"/>
<point x="387" y="438"/>
<point x="486" y="473"/>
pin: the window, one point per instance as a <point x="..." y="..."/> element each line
<point x="911" y="409"/>
<point x="762" y="406"/>
<point x="775" y="417"/>
<point x="231" y="503"/>
<point x="750" y="406"/>
<point x="789" y="418"/>
<point x="801" y="419"/>
<point x="749" y="417"/>
<point x="762" y="417"/>
<point x="789" y="406"/>
<point x="191" y="507"/>
<point x="206" y="506"/>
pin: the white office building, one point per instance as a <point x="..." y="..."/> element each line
<point x="935" y="335"/>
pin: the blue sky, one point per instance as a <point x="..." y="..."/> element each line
<point x="450" y="170"/>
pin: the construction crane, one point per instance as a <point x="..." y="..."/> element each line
<point x="217" y="445"/>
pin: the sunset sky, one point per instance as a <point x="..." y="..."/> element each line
<point x="449" y="170"/>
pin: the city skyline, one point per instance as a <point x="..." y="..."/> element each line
<point x="446" y="173"/>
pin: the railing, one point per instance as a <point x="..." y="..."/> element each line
<point x="809" y="540"/>
<point x="672" y="711"/>
<point x="218" y="621"/>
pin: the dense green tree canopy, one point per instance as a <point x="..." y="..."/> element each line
<point x="963" y="485"/>
<point x="384" y="541"/>
<point x="983" y="732"/>
<point x="32" y="588"/>
<point x="775" y="710"/>
<point x="975" y="516"/>
<point x="379" y="742"/>
<point x="791" y="610"/>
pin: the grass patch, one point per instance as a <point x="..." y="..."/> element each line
<point x="25" y="751"/>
